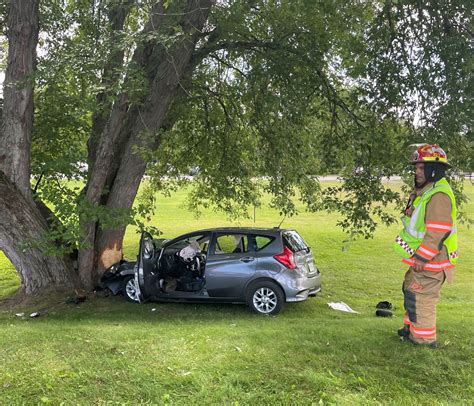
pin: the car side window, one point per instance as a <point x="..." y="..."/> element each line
<point x="262" y="241"/>
<point x="231" y="244"/>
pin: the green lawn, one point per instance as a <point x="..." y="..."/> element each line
<point x="108" y="351"/>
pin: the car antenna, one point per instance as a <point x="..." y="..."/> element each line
<point x="282" y="220"/>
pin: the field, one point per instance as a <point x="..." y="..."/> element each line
<point x="106" y="351"/>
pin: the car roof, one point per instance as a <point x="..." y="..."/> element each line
<point x="252" y="230"/>
<point x="237" y="230"/>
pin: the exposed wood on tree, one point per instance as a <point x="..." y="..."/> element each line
<point x="124" y="133"/>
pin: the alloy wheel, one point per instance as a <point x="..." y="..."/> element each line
<point x="265" y="300"/>
<point x="131" y="290"/>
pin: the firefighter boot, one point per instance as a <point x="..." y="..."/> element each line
<point x="404" y="331"/>
<point x="432" y="345"/>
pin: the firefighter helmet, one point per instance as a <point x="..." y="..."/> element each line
<point x="429" y="153"/>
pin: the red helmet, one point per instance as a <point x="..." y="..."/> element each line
<point x="429" y="153"/>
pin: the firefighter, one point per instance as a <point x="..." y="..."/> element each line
<point x="428" y="243"/>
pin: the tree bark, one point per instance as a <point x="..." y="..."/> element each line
<point x="174" y="67"/>
<point x="17" y="113"/>
<point x="22" y="227"/>
<point x="138" y="130"/>
<point x="110" y="77"/>
<point x="106" y="159"/>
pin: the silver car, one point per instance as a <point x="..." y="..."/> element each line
<point x="263" y="268"/>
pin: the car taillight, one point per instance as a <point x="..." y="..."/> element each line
<point x="286" y="258"/>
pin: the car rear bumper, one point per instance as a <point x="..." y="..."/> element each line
<point x="303" y="295"/>
<point x="299" y="287"/>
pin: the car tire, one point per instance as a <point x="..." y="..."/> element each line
<point x="129" y="290"/>
<point x="265" y="298"/>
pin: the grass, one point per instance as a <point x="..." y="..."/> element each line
<point x="108" y="351"/>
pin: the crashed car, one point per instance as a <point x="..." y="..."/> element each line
<point x="263" y="268"/>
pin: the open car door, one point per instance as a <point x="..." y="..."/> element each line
<point x="146" y="277"/>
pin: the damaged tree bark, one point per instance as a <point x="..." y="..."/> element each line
<point x="117" y="168"/>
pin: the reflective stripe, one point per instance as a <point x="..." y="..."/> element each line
<point x="400" y="241"/>
<point x="440" y="223"/>
<point x="431" y="266"/>
<point x="428" y="249"/>
<point x="411" y="227"/>
<point x="424" y="255"/>
<point x="438" y="266"/>
<point x="426" y="252"/>
<point x="414" y="233"/>
<point x="423" y="332"/>
<point x="438" y="226"/>
<point x="439" y="159"/>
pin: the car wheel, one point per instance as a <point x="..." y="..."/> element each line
<point x="129" y="290"/>
<point x="265" y="298"/>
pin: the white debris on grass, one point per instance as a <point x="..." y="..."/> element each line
<point x="341" y="306"/>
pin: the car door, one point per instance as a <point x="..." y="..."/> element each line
<point x="145" y="271"/>
<point x="230" y="265"/>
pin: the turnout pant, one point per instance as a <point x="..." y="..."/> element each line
<point x="421" y="295"/>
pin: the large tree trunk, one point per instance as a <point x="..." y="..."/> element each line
<point x="110" y="77"/>
<point x="17" y="119"/>
<point x="23" y="228"/>
<point x="165" y="69"/>
<point x="106" y="153"/>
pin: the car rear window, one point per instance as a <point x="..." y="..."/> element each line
<point x="262" y="241"/>
<point x="294" y="241"/>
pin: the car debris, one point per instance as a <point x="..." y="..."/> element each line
<point x="341" y="306"/>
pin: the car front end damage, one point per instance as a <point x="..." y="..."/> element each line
<point x="113" y="276"/>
